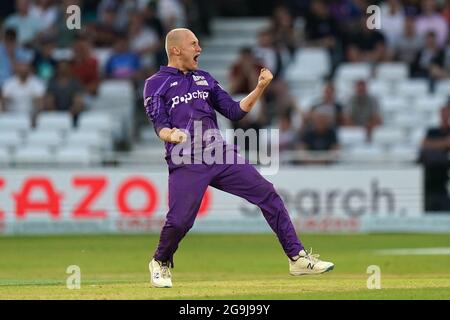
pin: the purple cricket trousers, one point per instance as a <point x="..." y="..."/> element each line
<point x="188" y="183"/>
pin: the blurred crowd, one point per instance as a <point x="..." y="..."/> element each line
<point x="44" y="65"/>
<point x="413" y="32"/>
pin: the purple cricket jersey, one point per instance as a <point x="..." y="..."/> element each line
<point x="174" y="99"/>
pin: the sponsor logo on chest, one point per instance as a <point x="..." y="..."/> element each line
<point x="189" y="96"/>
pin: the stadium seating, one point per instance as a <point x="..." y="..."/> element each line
<point x="10" y="139"/>
<point x="392" y="71"/>
<point x="92" y="139"/>
<point x="5" y="157"/>
<point x="33" y="155"/>
<point x="348" y="137"/>
<point x="388" y="136"/>
<point x="15" y="121"/>
<point x="44" y="138"/>
<point x="75" y="155"/>
<point x="54" y="120"/>
<point x="413" y="88"/>
<point x="309" y="63"/>
<point x="353" y="72"/>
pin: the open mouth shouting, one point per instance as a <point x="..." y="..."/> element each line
<point x="196" y="58"/>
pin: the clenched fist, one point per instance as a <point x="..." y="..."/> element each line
<point x="177" y="136"/>
<point x="265" y="77"/>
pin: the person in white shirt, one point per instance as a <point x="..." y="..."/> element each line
<point x="26" y="25"/>
<point x="392" y="22"/>
<point x="23" y="92"/>
<point x="432" y="21"/>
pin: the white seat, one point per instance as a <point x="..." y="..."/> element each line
<point x="93" y="139"/>
<point x="44" y="138"/>
<point x="407" y="120"/>
<point x="443" y="87"/>
<point x="392" y="71"/>
<point x="364" y="153"/>
<point x="416" y="137"/>
<point x="393" y="104"/>
<point x="5" y="157"/>
<point x="15" y="121"/>
<point x="430" y="103"/>
<point x="413" y="88"/>
<point x="33" y="155"/>
<point x="379" y="88"/>
<point x="350" y="137"/>
<point x="95" y="120"/>
<point x="388" y="136"/>
<point x="76" y="155"/>
<point x="309" y="63"/>
<point x="10" y="139"/>
<point x="121" y="89"/>
<point x="353" y="71"/>
<point x="403" y="153"/>
<point x="55" y="120"/>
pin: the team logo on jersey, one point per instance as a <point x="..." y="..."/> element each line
<point x="189" y="96"/>
<point x="173" y="84"/>
<point x="200" y="80"/>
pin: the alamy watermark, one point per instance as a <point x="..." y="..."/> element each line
<point x="373" y="22"/>
<point x="209" y="147"/>
<point x="374" y="280"/>
<point x="74" y="280"/>
<point x="73" y="21"/>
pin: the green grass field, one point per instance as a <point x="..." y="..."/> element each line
<point x="221" y="267"/>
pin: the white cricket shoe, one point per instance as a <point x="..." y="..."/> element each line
<point x="160" y="276"/>
<point x="308" y="263"/>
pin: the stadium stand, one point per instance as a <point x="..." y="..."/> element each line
<point x="112" y="122"/>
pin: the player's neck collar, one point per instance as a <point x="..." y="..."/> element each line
<point x="173" y="70"/>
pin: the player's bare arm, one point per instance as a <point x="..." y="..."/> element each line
<point x="265" y="77"/>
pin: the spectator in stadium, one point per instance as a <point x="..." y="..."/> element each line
<point x="273" y="56"/>
<point x="105" y="30"/>
<point x="288" y="136"/>
<point x="85" y="67"/>
<point x="409" y="43"/>
<point x="440" y="69"/>
<point x="23" y="92"/>
<point x="392" y="19"/>
<point x="244" y="72"/>
<point x="43" y="63"/>
<point x="428" y="56"/>
<point x="64" y="93"/>
<point x="123" y="63"/>
<point x="430" y="20"/>
<point x="143" y="40"/>
<point x="320" y="136"/>
<point x="172" y="13"/>
<point x="434" y="156"/>
<point x="366" y="45"/>
<point x="9" y="50"/>
<point x="328" y="105"/>
<point x="46" y="12"/>
<point x="153" y="22"/>
<point x="199" y="15"/>
<point x="27" y="25"/>
<point x="284" y="32"/>
<point x="321" y="29"/>
<point x="121" y="10"/>
<point x="363" y="109"/>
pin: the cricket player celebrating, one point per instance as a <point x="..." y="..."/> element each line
<point x="175" y="98"/>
